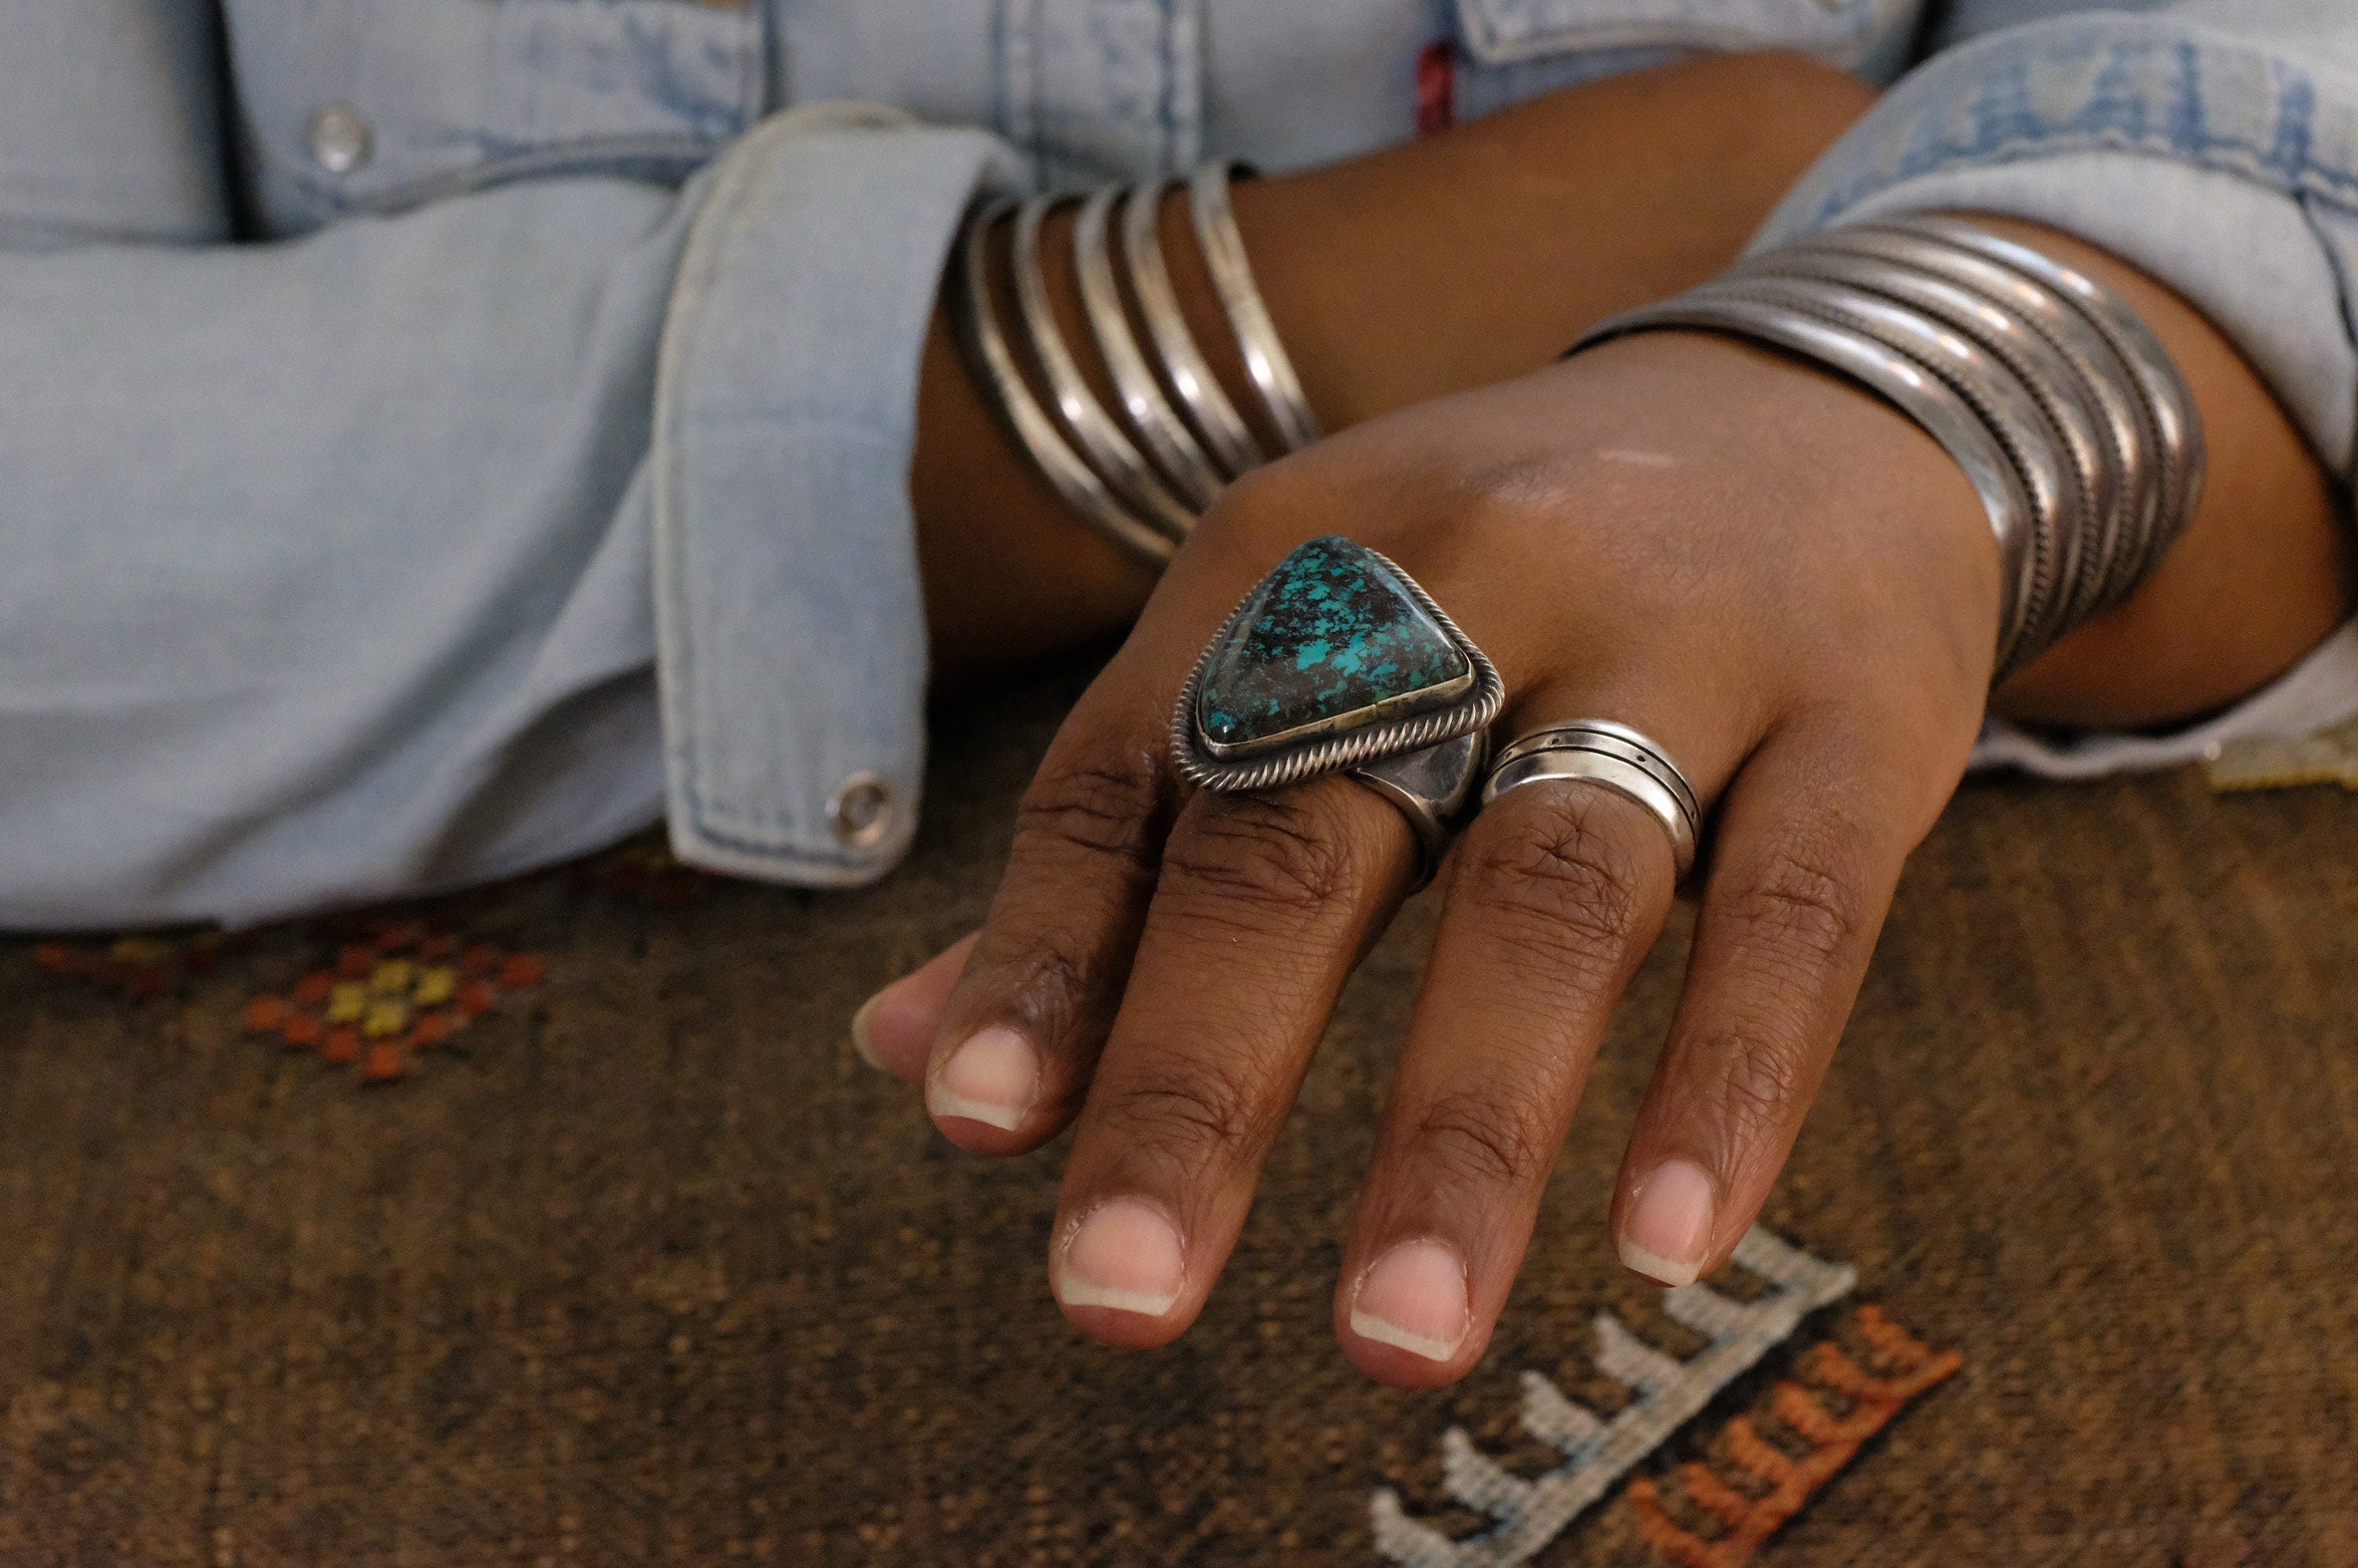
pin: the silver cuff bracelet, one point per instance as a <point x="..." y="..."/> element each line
<point x="2064" y="410"/>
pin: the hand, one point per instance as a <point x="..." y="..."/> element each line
<point x="1403" y="276"/>
<point x="1774" y="576"/>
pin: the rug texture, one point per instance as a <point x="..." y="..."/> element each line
<point x="629" y="1260"/>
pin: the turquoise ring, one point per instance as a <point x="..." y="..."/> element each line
<point x="1338" y="659"/>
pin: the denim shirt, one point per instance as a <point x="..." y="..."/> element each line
<point x="437" y="440"/>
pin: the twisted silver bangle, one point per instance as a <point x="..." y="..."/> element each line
<point x="2036" y="366"/>
<point x="1117" y="461"/>
<point x="2128" y="438"/>
<point x="2006" y="409"/>
<point x="2168" y="401"/>
<point x="1168" y="440"/>
<point x="2061" y="379"/>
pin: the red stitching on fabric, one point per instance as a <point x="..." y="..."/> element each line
<point x="141" y="967"/>
<point x="1436" y="88"/>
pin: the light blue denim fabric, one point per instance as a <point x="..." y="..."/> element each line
<point x="387" y="526"/>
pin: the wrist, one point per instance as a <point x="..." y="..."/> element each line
<point x="1475" y="256"/>
<point x="1010" y="576"/>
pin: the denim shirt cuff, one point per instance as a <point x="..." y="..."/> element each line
<point x="2225" y="166"/>
<point x="790" y="624"/>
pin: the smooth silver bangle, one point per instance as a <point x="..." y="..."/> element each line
<point x="2033" y="387"/>
<point x="1918" y="393"/>
<point x="1002" y="380"/>
<point x="2008" y="412"/>
<point x="1265" y="358"/>
<point x="2126" y="440"/>
<point x="1157" y="424"/>
<point x="2169" y="402"/>
<point x="1222" y="429"/>
<point x="1998" y="406"/>
<point x="1118" y="462"/>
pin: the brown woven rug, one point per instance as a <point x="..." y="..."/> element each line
<point x="629" y="1260"/>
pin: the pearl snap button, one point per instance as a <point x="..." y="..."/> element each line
<point x="339" y="138"/>
<point x="861" y="810"/>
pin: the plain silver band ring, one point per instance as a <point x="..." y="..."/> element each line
<point x="1656" y="784"/>
<point x="1613" y="739"/>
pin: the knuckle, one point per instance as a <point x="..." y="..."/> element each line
<point x="1482" y="1139"/>
<point x="1059" y="990"/>
<point x="1192" y="1111"/>
<point x="1110" y="807"/>
<point x="1287" y="854"/>
<point x="1274" y="505"/>
<point x="1751" y="1084"/>
<point x="1566" y="885"/>
<point x="1801" y="905"/>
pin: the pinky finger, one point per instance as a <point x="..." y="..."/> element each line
<point x="1811" y="837"/>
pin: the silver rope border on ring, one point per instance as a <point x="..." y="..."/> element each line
<point x="1349" y="748"/>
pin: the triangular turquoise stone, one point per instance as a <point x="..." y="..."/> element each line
<point x="1330" y="633"/>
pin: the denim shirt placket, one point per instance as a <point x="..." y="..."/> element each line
<point x="1089" y="88"/>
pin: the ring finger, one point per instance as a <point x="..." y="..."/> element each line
<point x="1264" y="906"/>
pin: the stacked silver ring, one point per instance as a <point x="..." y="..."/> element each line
<point x="1141" y="474"/>
<point x="1599" y="751"/>
<point x="2065" y="412"/>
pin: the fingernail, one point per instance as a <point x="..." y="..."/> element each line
<point x="1125" y="1256"/>
<point x="1415" y="1298"/>
<point x="1667" y="1232"/>
<point x="993" y="1078"/>
<point x="861" y="1045"/>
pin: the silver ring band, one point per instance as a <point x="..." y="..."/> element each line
<point x="1118" y="462"/>
<point x="1035" y="432"/>
<point x="1265" y="358"/>
<point x="1225" y="434"/>
<point x="1599" y="751"/>
<point x="1432" y="789"/>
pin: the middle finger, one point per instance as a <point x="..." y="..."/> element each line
<point x="1264" y="906"/>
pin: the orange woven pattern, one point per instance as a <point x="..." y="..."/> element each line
<point x="1754" y="1484"/>
<point x="141" y="967"/>
<point x="386" y="1000"/>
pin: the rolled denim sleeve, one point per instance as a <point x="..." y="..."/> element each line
<point x="793" y="654"/>
<point x="430" y="547"/>
<point x="2214" y="145"/>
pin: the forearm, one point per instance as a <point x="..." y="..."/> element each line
<point x="1423" y="270"/>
